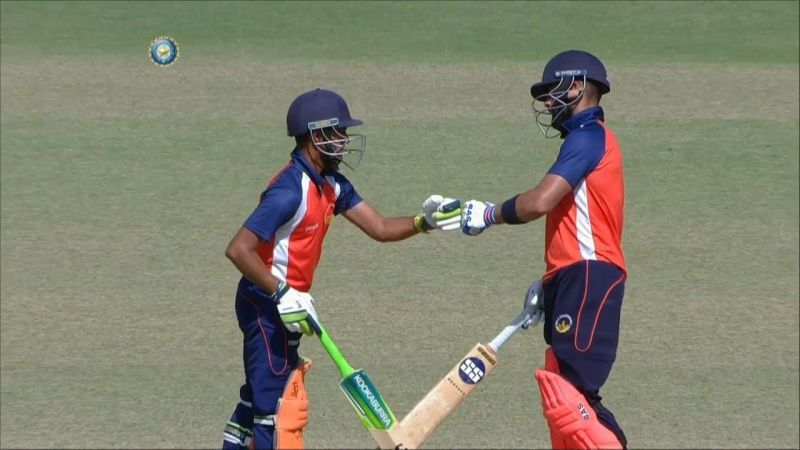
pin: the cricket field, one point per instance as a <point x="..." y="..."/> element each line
<point x="122" y="183"/>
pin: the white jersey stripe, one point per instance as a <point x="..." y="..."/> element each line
<point x="337" y="188"/>
<point x="583" y="222"/>
<point x="280" y="253"/>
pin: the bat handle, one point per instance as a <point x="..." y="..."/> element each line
<point x="508" y="331"/>
<point x="336" y="355"/>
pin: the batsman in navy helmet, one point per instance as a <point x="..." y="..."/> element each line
<point x="553" y="103"/>
<point x="579" y="297"/>
<point x="277" y="251"/>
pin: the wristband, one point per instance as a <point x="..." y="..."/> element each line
<point x="488" y="216"/>
<point x="509" y="211"/>
<point x="282" y="288"/>
<point x="420" y="224"/>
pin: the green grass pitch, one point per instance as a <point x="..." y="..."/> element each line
<point x="122" y="183"/>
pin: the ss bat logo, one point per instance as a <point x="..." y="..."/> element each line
<point x="471" y="370"/>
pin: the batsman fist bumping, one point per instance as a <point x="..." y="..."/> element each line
<point x="277" y="251"/>
<point x="582" y="197"/>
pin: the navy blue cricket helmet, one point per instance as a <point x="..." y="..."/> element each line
<point x="572" y="63"/>
<point x="318" y="108"/>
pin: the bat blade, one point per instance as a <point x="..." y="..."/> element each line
<point x="365" y="398"/>
<point x="447" y="395"/>
<point x="372" y="410"/>
<point x="367" y="401"/>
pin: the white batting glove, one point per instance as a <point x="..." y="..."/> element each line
<point x="296" y="309"/>
<point x="476" y="216"/>
<point x="440" y="213"/>
<point x="534" y="304"/>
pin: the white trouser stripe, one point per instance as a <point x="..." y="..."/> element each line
<point x="230" y="438"/>
<point x="264" y="420"/>
<point x="248" y="404"/>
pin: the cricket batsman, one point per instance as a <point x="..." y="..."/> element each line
<point x="582" y="197"/>
<point x="277" y="250"/>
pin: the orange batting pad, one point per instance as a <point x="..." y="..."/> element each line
<point x="551" y="364"/>
<point x="292" y="414"/>
<point x="569" y="414"/>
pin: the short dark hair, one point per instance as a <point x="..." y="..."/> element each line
<point x="302" y="140"/>
<point x="594" y="89"/>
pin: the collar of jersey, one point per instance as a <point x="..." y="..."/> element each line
<point x="300" y="160"/>
<point x="593" y="114"/>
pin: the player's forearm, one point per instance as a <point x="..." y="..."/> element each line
<point x="252" y="268"/>
<point x="395" y="229"/>
<point x="534" y="203"/>
<point x="521" y="208"/>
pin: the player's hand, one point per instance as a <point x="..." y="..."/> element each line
<point x="440" y="213"/>
<point x="476" y="216"/>
<point x="534" y="304"/>
<point x="296" y="309"/>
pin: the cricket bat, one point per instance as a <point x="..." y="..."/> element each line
<point x="445" y="397"/>
<point x="364" y="396"/>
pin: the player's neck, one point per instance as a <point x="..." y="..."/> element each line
<point x="584" y="104"/>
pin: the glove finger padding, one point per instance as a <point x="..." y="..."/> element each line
<point x="448" y="221"/>
<point x="438" y="213"/>
<point x="450" y="226"/>
<point x="474" y="217"/>
<point x="432" y="204"/>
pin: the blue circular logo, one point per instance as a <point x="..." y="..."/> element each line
<point x="163" y="51"/>
<point x="471" y="370"/>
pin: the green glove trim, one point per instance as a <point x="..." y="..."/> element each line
<point x="294" y="317"/>
<point x="447" y="215"/>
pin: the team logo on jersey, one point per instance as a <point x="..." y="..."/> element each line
<point x="329" y="215"/>
<point x="163" y="51"/>
<point x="563" y="323"/>
<point x="471" y="370"/>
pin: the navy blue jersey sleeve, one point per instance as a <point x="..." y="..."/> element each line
<point x="348" y="197"/>
<point x="278" y="204"/>
<point x="579" y="155"/>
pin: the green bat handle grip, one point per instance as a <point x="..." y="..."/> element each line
<point x="341" y="363"/>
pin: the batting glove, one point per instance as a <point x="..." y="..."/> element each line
<point x="476" y="216"/>
<point x="296" y="309"/>
<point x="533" y="305"/>
<point x="440" y="213"/>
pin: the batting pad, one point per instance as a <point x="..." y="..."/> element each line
<point x="568" y="413"/>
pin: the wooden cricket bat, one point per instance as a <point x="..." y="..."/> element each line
<point x="445" y="397"/>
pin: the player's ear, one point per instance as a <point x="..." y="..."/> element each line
<point x="317" y="136"/>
